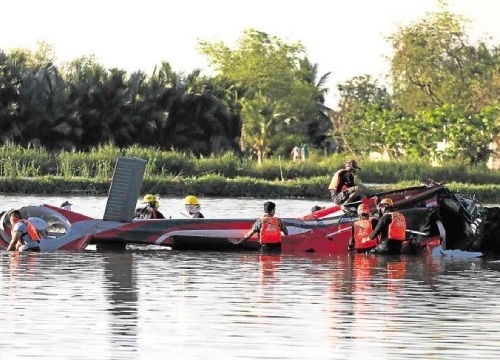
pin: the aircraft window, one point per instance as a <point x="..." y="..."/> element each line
<point x="57" y="224"/>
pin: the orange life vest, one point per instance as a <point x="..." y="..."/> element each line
<point x="397" y="227"/>
<point x="270" y="232"/>
<point x="32" y="232"/>
<point x="362" y="229"/>
<point x="334" y="184"/>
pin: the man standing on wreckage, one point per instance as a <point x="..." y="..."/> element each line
<point x="342" y="188"/>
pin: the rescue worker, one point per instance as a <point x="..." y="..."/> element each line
<point x="361" y="230"/>
<point x="270" y="229"/>
<point x="391" y="228"/>
<point x="193" y="207"/>
<point x="342" y="187"/>
<point x="66" y="205"/>
<point x="316" y="208"/>
<point x="150" y="211"/>
<point x="24" y="236"/>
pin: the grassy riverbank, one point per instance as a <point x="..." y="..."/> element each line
<point x="168" y="173"/>
<point x="215" y="185"/>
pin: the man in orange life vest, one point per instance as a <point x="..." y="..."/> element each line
<point x="269" y="228"/>
<point x="23" y="234"/>
<point x="391" y="228"/>
<point x="342" y="187"/>
<point x="360" y="231"/>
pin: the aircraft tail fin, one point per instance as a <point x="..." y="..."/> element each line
<point x="125" y="188"/>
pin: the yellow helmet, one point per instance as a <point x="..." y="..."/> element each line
<point x="191" y="200"/>
<point x="149" y="198"/>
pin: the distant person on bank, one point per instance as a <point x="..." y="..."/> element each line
<point x="295" y="153"/>
<point x="304" y="152"/>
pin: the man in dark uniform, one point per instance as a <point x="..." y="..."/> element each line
<point x="391" y="228"/>
<point x="150" y="211"/>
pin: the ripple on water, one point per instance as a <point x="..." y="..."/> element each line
<point x="152" y="304"/>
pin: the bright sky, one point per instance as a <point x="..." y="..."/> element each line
<point x="346" y="38"/>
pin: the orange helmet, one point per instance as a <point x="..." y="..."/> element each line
<point x="386" y="202"/>
<point x="363" y="209"/>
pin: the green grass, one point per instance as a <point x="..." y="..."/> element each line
<point x="37" y="171"/>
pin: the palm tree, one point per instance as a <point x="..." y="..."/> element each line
<point x="317" y="125"/>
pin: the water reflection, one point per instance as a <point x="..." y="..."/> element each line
<point x="22" y="264"/>
<point x="268" y="268"/>
<point x="120" y="283"/>
<point x="152" y="304"/>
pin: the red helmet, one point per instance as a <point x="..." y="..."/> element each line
<point x="363" y="209"/>
<point x="352" y="163"/>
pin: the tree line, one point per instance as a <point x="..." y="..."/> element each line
<point x="266" y="97"/>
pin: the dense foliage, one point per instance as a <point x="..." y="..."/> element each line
<point x="84" y="105"/>
<point x="282" y="104"/>
<point x="442" y="104"/>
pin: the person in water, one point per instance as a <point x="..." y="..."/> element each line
<point x="193" y="207"/>
<point x="391" y="228"/>
<point x="316" y="208"/>
<point x="24" y="236"/>
<point x="269" y="228"/>
<point x="342" y="186"/>
<point x="360" y="231"/>
<point x="66" y="205"/>
<point x="150" y="211"/>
